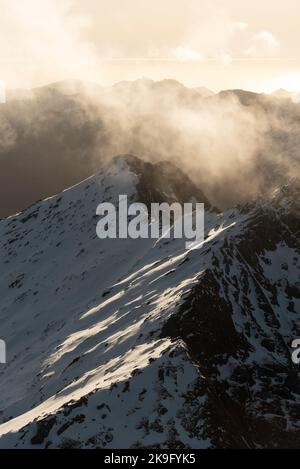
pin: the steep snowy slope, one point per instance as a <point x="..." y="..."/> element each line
<point x="130" y="343"/>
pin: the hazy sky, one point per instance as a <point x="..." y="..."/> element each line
<point x="218" y="44"/>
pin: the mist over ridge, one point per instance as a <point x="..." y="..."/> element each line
<point x="235" y="145"/>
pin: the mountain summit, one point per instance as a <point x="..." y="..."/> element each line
<point x="142" y="343"/>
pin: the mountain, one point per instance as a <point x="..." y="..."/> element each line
<point x="282" y="93"/>
<point x="141" y="343"/>
<point x="55" y="136"/>
<point x="237" y="145"/>
<point x="205" y="92"/>
<point x="288" y="95"/>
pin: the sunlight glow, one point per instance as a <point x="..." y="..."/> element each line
<point x="289" y="83"/>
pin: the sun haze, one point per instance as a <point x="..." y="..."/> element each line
<point x="218" y="44"/>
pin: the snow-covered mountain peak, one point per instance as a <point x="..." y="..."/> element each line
<point x="121" y="342"/>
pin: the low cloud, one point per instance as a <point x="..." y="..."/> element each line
<point x="234" y="145"/>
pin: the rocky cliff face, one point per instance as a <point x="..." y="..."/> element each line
<point x="238" y="322"/>
<point x="142" y="343"/>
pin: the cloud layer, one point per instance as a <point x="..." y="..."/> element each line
<point x="48" y="40"/>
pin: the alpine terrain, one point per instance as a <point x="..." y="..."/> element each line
<point x="124" y="343"/>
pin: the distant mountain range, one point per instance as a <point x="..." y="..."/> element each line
<point x="235" y="144"/>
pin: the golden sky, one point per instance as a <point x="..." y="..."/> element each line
<point x="219" y="44"/>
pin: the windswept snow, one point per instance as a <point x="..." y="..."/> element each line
<point x="88" y="365"/>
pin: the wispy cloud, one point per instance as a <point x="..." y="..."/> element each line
<point x="226" y="59"/>
<point x="50" y="40"/>
<point x="240" y="26"/>
<point x="186" y="54"/>
<point x="267" y="38"/>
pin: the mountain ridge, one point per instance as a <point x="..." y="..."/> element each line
<point x="142" y="343"/>
<point x="56" y="136"/>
